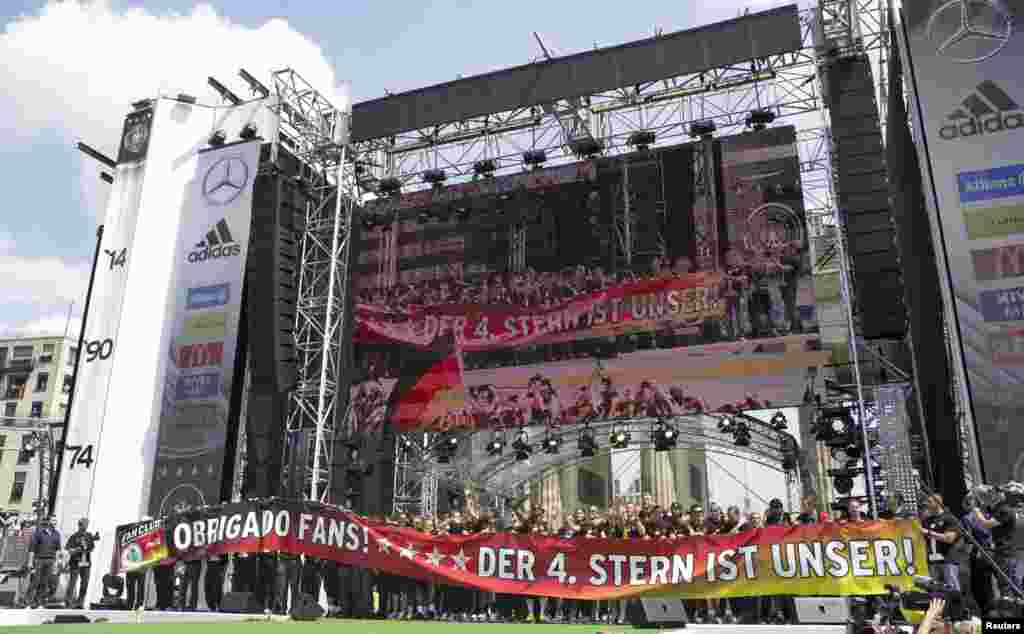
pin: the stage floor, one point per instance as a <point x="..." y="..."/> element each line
<point x="39" y="617"/>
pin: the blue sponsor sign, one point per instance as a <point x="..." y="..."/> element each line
<point x="991" y="184"/>
<point x="207" y="296"/>
<point x="202" y="385"/>
<point x="1004" y="305"/>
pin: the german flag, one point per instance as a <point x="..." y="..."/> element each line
<point x="429" y="385"/>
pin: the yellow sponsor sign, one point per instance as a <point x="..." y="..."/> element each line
<point x="206" y="326"/>
<point x="994" y="222"/>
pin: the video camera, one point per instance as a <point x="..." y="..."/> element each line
<point x="929" y="589"/>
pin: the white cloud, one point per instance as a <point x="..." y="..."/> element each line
<point x="53" y="324"/>
<point x="78" y="66"/>
<point x="42" y="281"/>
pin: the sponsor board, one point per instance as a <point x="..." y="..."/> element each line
<point x="207" y="296"/>
<point x="201" y="385"/>
<point x="204" y="326"/>
<point x="999" y="263"/>
<point x="991" y="184"/>
<point x="1002" y="305"/>
<point x="200" y="355"/>
<point x="994" y="222"/>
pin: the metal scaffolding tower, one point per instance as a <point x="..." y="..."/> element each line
<point x="317" y="133"/>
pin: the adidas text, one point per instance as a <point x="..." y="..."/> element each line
<point x="999" y="122"/>
<point x="225" y="251"/>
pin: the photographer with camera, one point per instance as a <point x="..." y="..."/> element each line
<point x="942" y="531"/>
<point x="1001" y="521"/>
<point x="79" y="549"/>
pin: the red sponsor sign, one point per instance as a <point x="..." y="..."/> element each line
<point x="201" y="355"/>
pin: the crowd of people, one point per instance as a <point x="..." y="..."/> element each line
<point x="541" y="402"/>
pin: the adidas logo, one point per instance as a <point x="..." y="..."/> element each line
<point x="218" y="244"/>
<point x="988" y="110"/>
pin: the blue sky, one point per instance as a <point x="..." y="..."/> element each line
<point x="71" y="70"/>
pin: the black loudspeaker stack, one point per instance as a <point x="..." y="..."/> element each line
<point x="240" y="603"/>
<point x="862" y="186"/>
<point x="270" y="305"/>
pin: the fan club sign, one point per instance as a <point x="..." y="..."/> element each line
<point x="823" y="559"/>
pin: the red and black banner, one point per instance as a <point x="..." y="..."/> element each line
<point x="821" y="559"/>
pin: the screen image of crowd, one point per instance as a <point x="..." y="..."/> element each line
<point x="574" y="333"/>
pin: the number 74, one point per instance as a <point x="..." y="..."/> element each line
<point x="80" y="455"/>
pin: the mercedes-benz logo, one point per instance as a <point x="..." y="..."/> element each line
<point x="225" y="180"/>
<point x="970" y="31"/>
<point x="136" y="136"/>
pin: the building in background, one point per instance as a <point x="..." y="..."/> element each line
<point x="36" y="374"/>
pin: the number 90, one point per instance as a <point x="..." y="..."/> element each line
<point x="99" y="350"/>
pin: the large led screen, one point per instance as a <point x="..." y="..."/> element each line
<point x="514" y="301"/>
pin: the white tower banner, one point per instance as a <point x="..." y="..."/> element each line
<point x="92" y="377"/>
<point x="213" y="239"/>
<point x="965" y="58"/>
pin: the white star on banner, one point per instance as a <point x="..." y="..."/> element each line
<point x="460" y="560"/>
<point x="384" y="545"/>
<point x="409" y="552"/>
<point x="435" y="557"/>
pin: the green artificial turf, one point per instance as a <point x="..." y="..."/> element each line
<point x="322" y="626"/>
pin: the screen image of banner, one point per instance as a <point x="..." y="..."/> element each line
<point x="467" y="332"/>
<point x="819" y="559"/>
<point x="209" y="270"/>
<point x="972" y="111"/>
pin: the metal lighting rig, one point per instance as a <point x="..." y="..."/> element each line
<point x="313" y="129"/>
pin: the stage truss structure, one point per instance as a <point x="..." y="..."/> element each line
<point x="313" y="129"/>
<point x="789" y="85"/>
<point x="419" y="476"/>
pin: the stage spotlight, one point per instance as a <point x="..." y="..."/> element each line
<point x="142" y="104"/>
<point x="779" y="422"/>
<point x="551" y="444"/>
<point x="434" y="177"/>
<point x="665" y="436"/>
<point x="485" y="168"/>
<point x="186" y="98"/>
<point x="642" y="139"/>
<point x="586" y="146"/>
<point x="522" y="447"/>
<point x="741" y="434"/>
<point x="218" y="138"/>
<point x="854" y="451"/>
<point x="619" y="438"/>
<point x="248" y="132"/>
<point x="496" y="446"/>
<point x="726" y="425"/>
<point x="389" y="186"/>
<point x="462" y="213"/>
<point x="535" y="158"/>
<point x="760" y="119"/>
<point x="702" y="129"/>
<point x="446" y="449"/>
<point x="424" y="217"/>
<point x="406" y="444"/>
<point x="587" y="443"/>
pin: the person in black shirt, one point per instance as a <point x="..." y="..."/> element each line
<point x="79" y="549"/>
<point x="1003" y="526"/>
<point x="942" y="533"/>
